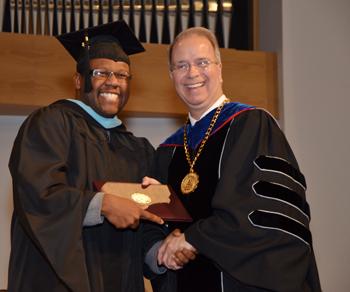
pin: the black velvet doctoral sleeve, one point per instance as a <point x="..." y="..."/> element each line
<point x="48" y="207"/>
<point x="259" y="230"/>
<point x="161" y="163"/>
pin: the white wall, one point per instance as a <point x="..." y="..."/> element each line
<point x="316" y="86"/>
<point x="315" y="96"/>
<point x="8" y="129"/>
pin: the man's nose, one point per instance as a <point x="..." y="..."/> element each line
<point x="193" y="70"/>
<point x="112" y="79"/>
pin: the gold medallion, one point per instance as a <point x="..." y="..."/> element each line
<point x="189" y="183"/>
<point x="191" y="180"/>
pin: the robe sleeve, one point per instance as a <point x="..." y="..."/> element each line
<point x="161" y="163"/>
<point x="152" y="235"/>
<point x="49" y="209"/>
<point x="259" y="230"/>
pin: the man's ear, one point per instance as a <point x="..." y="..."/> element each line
<point x="171" y="75"/>
<point x="220" y="68"/>
<point x="77" y="81"/>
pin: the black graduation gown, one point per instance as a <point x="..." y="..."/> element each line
<point x="251" y="219"/>
<point x="58" y="153"/>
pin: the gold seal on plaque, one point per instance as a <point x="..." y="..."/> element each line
<point x="189" y="183"/>
<point x="141" y="198"/>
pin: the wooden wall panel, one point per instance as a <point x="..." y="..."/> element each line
<point x="36" y="70"/>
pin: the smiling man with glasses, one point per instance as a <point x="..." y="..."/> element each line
<point x="234" y="171"/>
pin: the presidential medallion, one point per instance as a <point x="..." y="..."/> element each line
<point x="191" y="180"/>
<point x="189" y="183"/>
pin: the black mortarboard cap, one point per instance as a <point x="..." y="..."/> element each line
<point x="114" y="32"/>
<point x="113" y="41"/>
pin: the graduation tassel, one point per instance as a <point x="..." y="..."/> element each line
<point x="87" y="80"/>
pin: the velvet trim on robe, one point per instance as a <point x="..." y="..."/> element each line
<point x="229" y="111"/>
<point x="259" y="240"/>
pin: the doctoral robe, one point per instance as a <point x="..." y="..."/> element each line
<point x="58" y="153"/>
<point x="251" y="218"/>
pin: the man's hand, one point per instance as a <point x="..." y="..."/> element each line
<point x="176" y="251"/>
<point x="146" y="181"/>
<point x="124" y="213"/>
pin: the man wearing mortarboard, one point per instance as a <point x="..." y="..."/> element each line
<point x="66" y="236"/>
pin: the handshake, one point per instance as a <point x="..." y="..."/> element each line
<point x="175" y="251"/>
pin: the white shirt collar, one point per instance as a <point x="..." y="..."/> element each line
<point x="217" y="103"/>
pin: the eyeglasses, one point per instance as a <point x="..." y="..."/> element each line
<point x="183" y="67"/>
<point x="104" y="75"/>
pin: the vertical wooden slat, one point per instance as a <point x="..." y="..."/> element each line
<point x="30" y="18"/>
<point x="142" y="30"/>
<point x="165" y="28"/>
<point x="72" y="16"/>
<point x="256" y="26"/>
<point x="110" y="11"/>
<point x="6" y="23"/>
<point x="63" y="17"/>
<point x="100" y="12"/>
<point x="81" y="15"/>
<point x="91" y="14"/>
<point x="131" y="15"/>
<point x="154" y="25"/>
<point x="121" y="10"/>
<point x="178" y="18"/>
<point x="232" y="42"/>
<point x="191" y="12"/>
<point x="47" y="19"/>
<point x="205" y="12"/>
<point x="23" y="17"/>
<point x="240" y="28"/>
<point x="219" y="30"/>
<point x="16" y="19"/>
<point x="38" y="18"/>
<point x="55" y="19"/>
